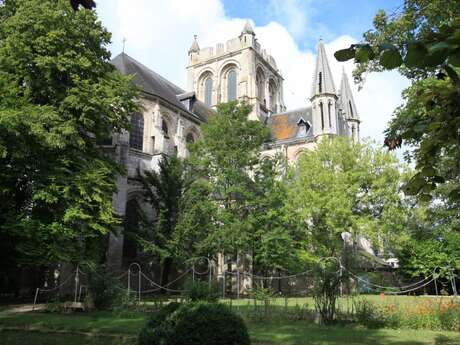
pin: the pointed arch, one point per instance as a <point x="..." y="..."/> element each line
<point x="231" y="85"/>
<point x="322" y="114"/>
<point x="273" y="95"/>
<point x="136" y="134"/>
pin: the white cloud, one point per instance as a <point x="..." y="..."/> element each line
<point x="160" y="32"/>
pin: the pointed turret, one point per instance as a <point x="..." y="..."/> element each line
<point x="248" y="29"/>
<point x="323" y="97"/>
<point x="346" y="100"/>
<point x="323" y="82"/>
<point x="348" y="107"/>
<point x="195" y="48"/>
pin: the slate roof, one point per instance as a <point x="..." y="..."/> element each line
<point x="285" y="126"/>
<point x="154" y="84"/>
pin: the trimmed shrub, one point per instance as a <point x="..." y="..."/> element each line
<point x="104" y="288"/>
<point x="198" y="323"/>
<point x="200" y="291"/>
<point x="155" y="330"/>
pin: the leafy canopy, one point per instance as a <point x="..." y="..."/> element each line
<point x="60" y="98"/>
<point x="423" y="42"/>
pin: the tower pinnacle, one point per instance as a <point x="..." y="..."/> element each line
<point x="323" y="82"/>
<point x="195" y="48"/>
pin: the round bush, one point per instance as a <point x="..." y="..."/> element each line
<point x="154" y="330"/>
<point x="200" y="323"/>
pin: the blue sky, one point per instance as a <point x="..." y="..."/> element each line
<point x="327" y="19"/>
<point x="160" y="32"/>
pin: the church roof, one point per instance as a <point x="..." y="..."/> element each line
<point x="346" y="100"/>
<point x="290" y="125"/>
<point x="154" y="84"/>
<point x="248" y="28"/>
<point x="322" y="79"/>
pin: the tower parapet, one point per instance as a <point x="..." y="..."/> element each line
<point x="237" y="70"/>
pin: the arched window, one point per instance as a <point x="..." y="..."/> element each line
<point x="351" y="108"/>
<point x="136" y="136"/>
<point x="164" y="128"/>
<point x="260" y="82"/>
<point x="272" y="93"/>
<point x="231" y="85"/>
<point x="320" y="82"/>
<point x="208" y="91"/>
<point x="190" y="139"/>
<point x="329" y="106"/>
<point x="322" y="114"/>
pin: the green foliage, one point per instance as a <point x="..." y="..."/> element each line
<point x="346" y="187"/>
<point x="195" y="323"/>
<point x="60" y="97"/>
<point x="368" y="314"/>
<point x="423" y="41"/>
<point x="103" y="287"/>
<point x="164" y="190"/>
<point x="155" y="330"/>
<point x="240" y="195"/>
<point x="207" y="324"/>
<point x="326" y="290"/>
<point x="428" y="314"/>
<point x="200" y="291"/>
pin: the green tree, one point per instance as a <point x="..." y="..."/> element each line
<point x="423" y="42"/>
<point x="346" y="187"/>
<point x="240" y="194"/>
<point x="60" y="97"/>
<point x="164" y="190"/>
<point x="340" y="187"/>
<point x="227" y="155"/>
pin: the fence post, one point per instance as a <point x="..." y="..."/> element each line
<point x="238" y="284"/>
<point x="35" y="299"/>
<point x="223" y="285"/>
<point x="193" y="273"/>
<point x="129" y="280"/>
<point x="140" y="283"/>
<point x="76" y="284"/>
<point x="454" y="286"/>
<point x="210" y="273"/>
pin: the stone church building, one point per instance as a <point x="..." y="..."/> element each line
<point x="240" y="69"/>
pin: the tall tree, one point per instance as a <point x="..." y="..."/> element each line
<point x="164" y="190"/>
<point x="346" y="187"/>
<point x="242" y="193"/>
<point x="227" y="155"/>
<point x="60" y="97"/>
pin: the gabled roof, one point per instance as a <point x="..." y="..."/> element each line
<point x="288" y="125"/>
<point x="153" y="83"/>
<point x="346" y="100"/>
<point x="323" y="75"/>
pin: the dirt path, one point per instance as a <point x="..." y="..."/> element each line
<point x="23" y="308"/>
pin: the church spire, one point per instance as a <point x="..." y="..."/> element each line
<point x="323" y="82"/>
<point x="248" y="29"/>
<point x="346" y="100"/>
<point x="195" y="48"/>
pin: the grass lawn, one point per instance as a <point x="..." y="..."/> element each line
<point x="106" y="328"/>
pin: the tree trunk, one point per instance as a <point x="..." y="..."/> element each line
<point x="165" y="270"/>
